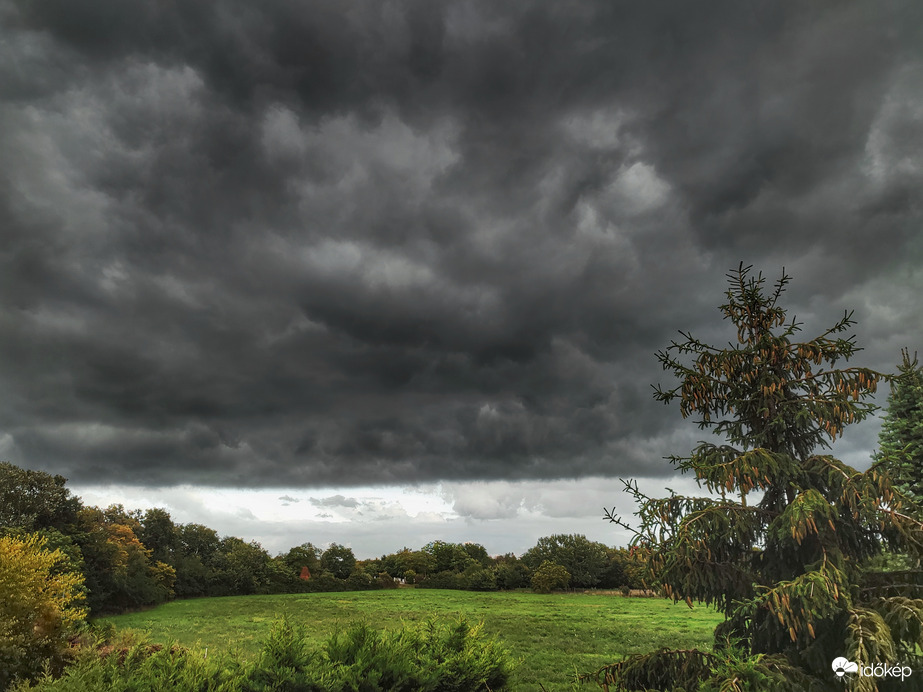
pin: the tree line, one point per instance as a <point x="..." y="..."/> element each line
<point x="135" y="558"/>
<point x="61" y="561"/>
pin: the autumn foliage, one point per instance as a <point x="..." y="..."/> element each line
<point x="39" y="607"/>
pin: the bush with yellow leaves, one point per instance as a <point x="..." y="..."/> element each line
<point x="39" y="608"/>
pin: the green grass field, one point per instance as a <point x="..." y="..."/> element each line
<point x="551" y="635"/>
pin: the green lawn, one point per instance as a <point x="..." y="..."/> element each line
<point x="552" y="635"/>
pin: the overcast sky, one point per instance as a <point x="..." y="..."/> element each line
<point x="421" y="254"/>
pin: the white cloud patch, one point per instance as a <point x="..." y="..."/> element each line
<point x="477" y="501"/>
<point x="563" y="499"/>
<point x="637" y="188"/>
<point x="375" y="267"/>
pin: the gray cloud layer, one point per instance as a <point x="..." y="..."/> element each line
<point x="284" y="244"/>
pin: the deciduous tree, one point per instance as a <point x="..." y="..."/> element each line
<point x="159" y="534"/>
<point x="585" y="560"/>
<point x="448" y="557"/>
<point x="35" y="500"/>
<point x="302" y="556"/>
<point x="240" y="568"/>
<point x="39" y="607"/>
<point x="550" y="577"/>
<point x="120" y="572"/>
<point x="338" y="560"/>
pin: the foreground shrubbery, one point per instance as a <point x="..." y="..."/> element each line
<point x="428" y="658"/>
<point x="40" y="604"/>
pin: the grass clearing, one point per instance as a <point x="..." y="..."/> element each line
<point x="552" y="635"/>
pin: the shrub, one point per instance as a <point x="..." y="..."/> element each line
<point x="427" y="658"/>
<point x="385" y="581"/>
<point x="360" y="581"/>
<point x="284" y="662"/>
<point x="482" y="580"/>
<point x="131" y="664"/>
<point x="550" y="577"/>
<point x="431" y="658"/>
<point x="512" y="575"/>
<point x="441" y="580"/>
<point x="38" y="608"/>
<point x="325" y="581"/>
<point x="633" y="565"/>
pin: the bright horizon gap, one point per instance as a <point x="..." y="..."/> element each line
<point x="503" y="516"/>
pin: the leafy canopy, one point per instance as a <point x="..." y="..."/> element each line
<point x="585" y="560"/>
<point x="34" y="500"/>
<point x="549" y="577"/>
<point x="338" y="560"/>
<point x="39" y="607"/>
<point x="780" y="544"/>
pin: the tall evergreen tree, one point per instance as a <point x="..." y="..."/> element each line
<point x="901" y="439"/>
<point x="779" y="546"/>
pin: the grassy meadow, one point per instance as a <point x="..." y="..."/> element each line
<point x="551" y="636"/>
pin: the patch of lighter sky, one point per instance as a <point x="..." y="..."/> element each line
<point x="885" y="158"/>
<point x="345" y="143"/>
<point x="504" y="516"/>
<point x="639" y="188"/>
<point x="597" y="129"/>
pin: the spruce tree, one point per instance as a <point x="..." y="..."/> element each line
<point x="779" y="545"/>
<point x="901" y="439"/>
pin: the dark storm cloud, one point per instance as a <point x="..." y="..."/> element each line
<point x="284" y="244"/>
